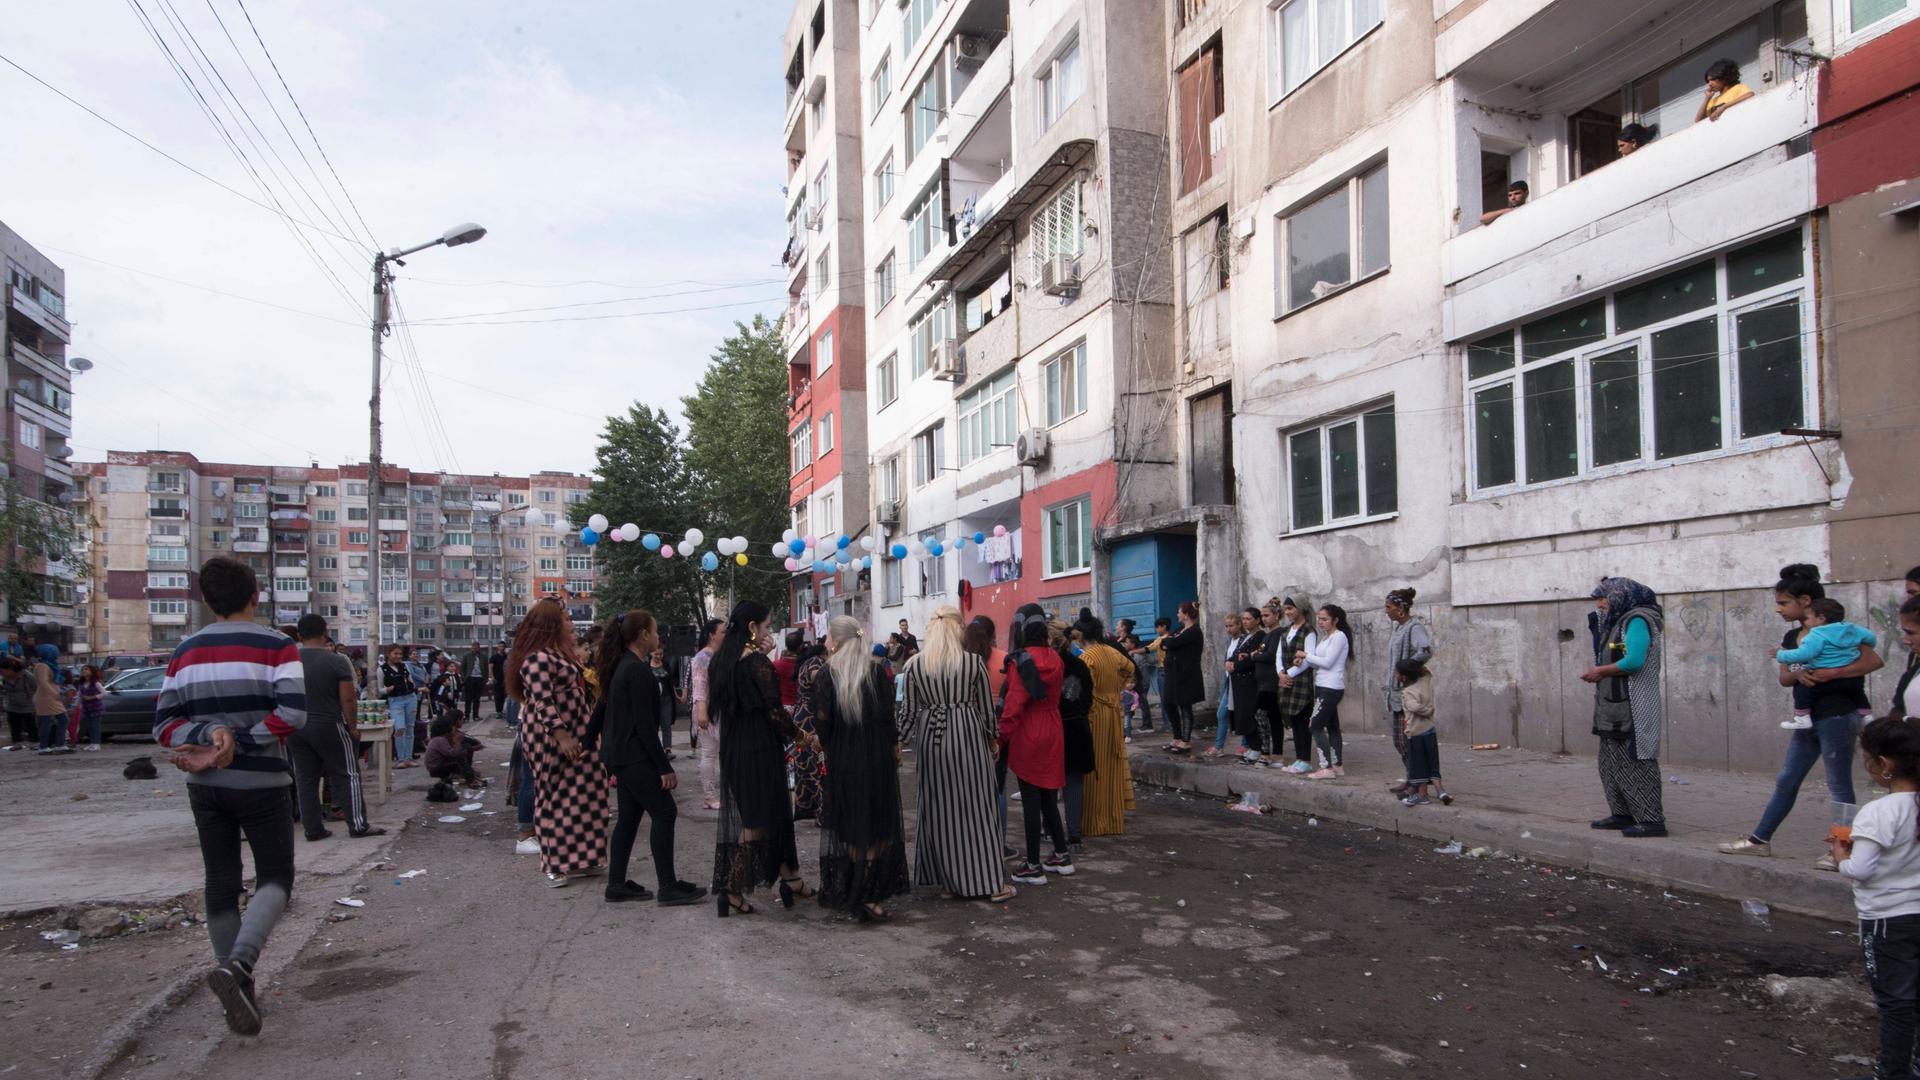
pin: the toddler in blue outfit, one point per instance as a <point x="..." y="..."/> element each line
<point x="1831" y="642"/>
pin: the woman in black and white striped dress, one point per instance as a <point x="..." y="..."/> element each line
<point x="949" y="714"/>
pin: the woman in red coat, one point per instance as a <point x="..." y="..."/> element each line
<point x="1036" y="750"/>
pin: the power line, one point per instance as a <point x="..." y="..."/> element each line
<point x="229" y="189"/>
<point x="202" y="288"/>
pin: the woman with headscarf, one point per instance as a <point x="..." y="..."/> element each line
<point x="947" y="709"/>
<point x="1182" y="685"/>
<point x="570" y="805"/>
<point x="863" y="841"/>
<point x="809" y="662"/>
<point x="753" y="844"/>
<point x="1109" y="792"/>
<point x="1626" y="625"/>
<point x="1294" y="699"/>
<point x="1410" y="641"/>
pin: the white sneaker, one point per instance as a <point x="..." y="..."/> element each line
<point x="529" y="846"/>
<point x="91" y="746"/>
<point x="1798" y="723"/>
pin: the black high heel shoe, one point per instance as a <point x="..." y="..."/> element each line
<point x="867" y="913"/>
<point x="724" y="903"/>
<point x="788" y="893"/>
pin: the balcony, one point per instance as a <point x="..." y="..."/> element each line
<point x="974" y="106"/>
<point x="999" y="207"/>
<point x="166" y="540"/>
<point x="245" y="547"/>
<point x="398" y="525"/>
<point x="44" y="365"/>
<point x="53" y="324"/>
<point x="389" y="596"/>
<point x="179" y="512"/>
<point x="167" y="618"/>
<point x="489" y="596"/>
<point x="165" y="487"/>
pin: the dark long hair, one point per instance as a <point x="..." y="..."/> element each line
<point x="615" y="640"/>
<point x="544" y="629"/>
<point x="1896" y="738"/>
<point x="720" y="676"/>
<point x="1800" y="579"/>
<point x="978" y="638"/>
<point x="1339" y="616"/>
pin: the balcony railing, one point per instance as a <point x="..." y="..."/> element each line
<point x="167" y="487"/>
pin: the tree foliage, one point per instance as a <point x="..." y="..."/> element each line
<point x="736" y="454"/>
<point x="641" y="478"/>
<point x="32" y="534"/>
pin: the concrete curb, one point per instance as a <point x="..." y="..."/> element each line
<point x="1673" y="863"/>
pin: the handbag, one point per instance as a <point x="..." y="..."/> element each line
<point x="1612" y="706"/>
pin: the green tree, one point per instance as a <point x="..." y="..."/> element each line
<point x="736" y="456"/>
<point x="642" y="478"/>
<point x="32" y="534"/>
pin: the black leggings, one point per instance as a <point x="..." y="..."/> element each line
<point x="1036" y="804"/>
<point x="638" y="788"/>
<point x="1180" y="719"/>
<point x="1325" y="723"/>
<point x="1302" y="725"/>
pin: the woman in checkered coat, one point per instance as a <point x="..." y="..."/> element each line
<point x="570" y="786"/>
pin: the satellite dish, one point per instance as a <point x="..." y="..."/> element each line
<point x="80" y="363"/>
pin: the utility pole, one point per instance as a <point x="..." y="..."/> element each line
<point x="382" y="278"/>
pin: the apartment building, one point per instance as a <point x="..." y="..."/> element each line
<point x="825" y="332"/>
<point x="1019" y="312"/>
<point x="459" y="557"/>
<point x="39" y="418"/>
<point x="1654" y="367"/>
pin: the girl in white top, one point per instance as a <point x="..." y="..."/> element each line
<point x="1882" y="860"/>
<point x="1328" y="658"/>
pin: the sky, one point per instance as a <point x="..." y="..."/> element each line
<point x="624" y="157"/>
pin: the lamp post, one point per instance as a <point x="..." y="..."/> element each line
<point x="532" y="517"/>
<point x="382" y="279"/>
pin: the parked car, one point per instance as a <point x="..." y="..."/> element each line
<point x="132" y="697"/>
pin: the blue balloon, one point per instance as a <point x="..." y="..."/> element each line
<point x="844" y="557"/>
<point x="898" y="551"/>
<point x="709" y="562"/>
<point x="866" y="562"/>
<point x="589" y="537"/>
<point x="936" y="549"/>
<point x="797" y="546"/>
<point x="979" y="538"/>
<point x="651" y="542"/>
<point x="844" y="542"/>
<point x="959" y="543"/>
<point x="823" y="566"/>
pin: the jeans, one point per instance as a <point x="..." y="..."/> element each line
<point x="1038" y="805"/>
<point x="523" y="792"/>
<point x="1891" y="948"/>
<point x="53" y="731"/>
<point x="637" y="787"/>
<point x="403" y="711"/>
<point x="90" y="727"/>
<point x="1830" y="739"/>
<point x="1225" y="716"/>
<point x="262" y="816"/>
<point x="21" y="725"/>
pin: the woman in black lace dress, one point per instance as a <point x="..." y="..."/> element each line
<point x="754" y="842"/>
<point x="863" y="841"/>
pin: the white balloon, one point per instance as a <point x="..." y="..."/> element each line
<point x="789" y="536"/>
<point x="739" y="544"/>
<point x="918" y="547"/>
<point x="598" y="523"/>
<point x="535" y="518"/>
<point x="724" y="545"/>
<point x="780" y="548"/>
<point x="695" y="538"/>
<point x="868" y="543"/>
<point x="629" y="532"/>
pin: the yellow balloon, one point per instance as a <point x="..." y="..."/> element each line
<point x="741" y="558"/>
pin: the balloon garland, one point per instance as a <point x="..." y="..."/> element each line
<point x="798" y="553"/>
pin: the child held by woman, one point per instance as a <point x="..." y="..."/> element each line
<point x="1830" y="642"/>
<point x="1881" y="858"/>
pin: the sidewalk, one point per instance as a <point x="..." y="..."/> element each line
<point x="1539" y="805"/>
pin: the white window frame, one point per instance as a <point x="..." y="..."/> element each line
<point x="883" y="184"/>
<point x="885" y="281"/>
<point x="886" y="377"/>
<point x="166" y="580"/>
<point x="926" y="111"/>
<point x="1056" y="85"/>
<point x="827" y="518"/>
<point x="800" y="441"/>
<point x="1059" y="227"/>
<point x="889" y="485"/>
<point x="165" y="553"/>
<point x="1277" y="87"/>
<point x="824" y="445"/>
<point x="30" y="434"/>
<point x="926" y="225"/>
<point x="1843" y="15"/>
<point x="879" y="86"/>
<point x="166" y="607"/>
<point x="1063" y="381"/>
<point x="927" y="330"/>
<point x="985" y="419"/>
<point x="1353" y="186"/>
<point x="1053" y="519"/>
<point x="916" y="18"/>
<point x="929" y="454"/>
<point x="893" y="589"/>
<point x="1725" y="312"/>
<point x="1358" y="418"/>
<point x="823" y="271"/>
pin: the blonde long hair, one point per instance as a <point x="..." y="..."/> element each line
<point x="851" y="664"/>
<point x="945" y="652"/>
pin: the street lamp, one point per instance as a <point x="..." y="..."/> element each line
<point x="383" y="262"/>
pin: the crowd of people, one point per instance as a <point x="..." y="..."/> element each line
<point x="50" y="709"/>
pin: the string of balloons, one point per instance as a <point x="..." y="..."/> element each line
<point x="828" y="554"/>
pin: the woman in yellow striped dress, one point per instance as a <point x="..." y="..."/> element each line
<point x="1109" y="788"/>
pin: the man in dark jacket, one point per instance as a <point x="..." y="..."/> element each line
<point x="497" y="668"/>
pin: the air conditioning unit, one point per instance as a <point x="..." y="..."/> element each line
<point x="970" y="52"/>
<point x="887" y="512"/>
<point x="1031" y="448"/>
<point x="949" y="361"/>
<point x="1060" y="275"/>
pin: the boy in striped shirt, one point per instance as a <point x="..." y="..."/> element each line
<point x="232" y="694"/>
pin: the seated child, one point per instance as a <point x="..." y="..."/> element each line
<point x="450" y="751"/>
<point x="1423" y="742"/>
<point x="1831" y="642"/>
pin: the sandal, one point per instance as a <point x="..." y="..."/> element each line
<point x="788" y="894"/>
<point x="872" y="913"/>
<point x="729" y="907"/>
<point x="1179" y="749"/>
<point x="1005" y="894"/>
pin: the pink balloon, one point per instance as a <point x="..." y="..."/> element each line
<point x="999" y="530"/>
<point x="666" y="551"/>
<point x="792" y="564"/>
<point x="611" y="536"/>
<point x="809" y="540"/>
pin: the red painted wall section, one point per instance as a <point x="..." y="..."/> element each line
<point x="999" y="602"/>
<point x="1869" y="112"/>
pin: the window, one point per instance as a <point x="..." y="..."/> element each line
<point x="1060" y="83"/>
<point x="164" y="554"/>
<point x="928" y="330"/>
<point x="254" y="511"/>
<point x="166" y="581"/>
<point x="987" y="301"/>
<point x="823" y="353"/>
<point x="327" y="586"/>
<point x="166" y="607"/>
<point x="1070" y="537"/>
<point x="828" y="520"/>
<point x="1202" y="105"/>
<point x="883" y="183"/>
<point x="546" y="496"/>
<point x="356" y="537"/>
<point x="578" y="562"/>
<point x="548" y="543"/>
<point x="326" y="539"/>
<point x="424" y="565"/>
<point x="1066" y="381"/>
<point x="426" y="588"/>
<point x="929" y="454"/>
<point x="579" y="585"/>
<point x="985" y="417"/>
<point x="926" y="110"/>
<point x="817" y="112"/>
<point x="801" y="439"/>
<point x="915" y="17"/>
<point x="800" y="519"/>
<point x="823" y="271"/>
<point x="517" y="543"/>
<point x="515" y="498"/>
<point x="1059" y="228"/>
<point x="329" y="562"/>
<point x="890" y="479"/>
<point x="1305" y="35"/>
<point x="324" y="491"/>
<point x="826" y="435"/>
<point x="326" y="515"/>
<point x="885" y="280"/>
<point x="1701" y="359"/>
<point x="926" y="226"/>
<point x="1342" y="469"/>
<point x="892" y="591"/>
<point x="354" y="513"/>
<point x="879" y="87"/>
<point x="458" y="539"/>
<point x="1864" y="13"/>
<point x="30" y="434"/>
<point x="1335" y="240"/>
<point x="933" y="572"/>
